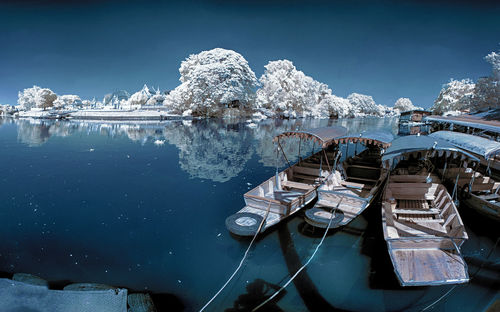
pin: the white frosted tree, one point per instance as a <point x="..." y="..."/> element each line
<point x="288" y="92"/>
<point x="363" y="105"/>
<point x="404" y="105"/>
<point x="487" y="90"/>
<point x="156" y="99"/>
<point x="454" y="96"/>
<point x="140" y="97"/>
<point x="67" y="100"/>
<point x="36" y="97"/>
<point x="334" y="106"/>
<point x="214" y="83"/>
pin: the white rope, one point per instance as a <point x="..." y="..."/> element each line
<point x="304" y="266"/>
<point x="242" y="260"/>
<point x="440" y="298"/>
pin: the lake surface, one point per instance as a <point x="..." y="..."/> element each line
<point x="101" y="202"/>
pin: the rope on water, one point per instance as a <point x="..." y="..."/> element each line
<point x="242" y="259"/>
<point x="304" y="266"/>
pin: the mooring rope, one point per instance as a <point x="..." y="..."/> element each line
<point x="242" y="259"/>
<point x="304" y="266"/>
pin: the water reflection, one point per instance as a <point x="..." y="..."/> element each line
<point x="217" y="150"/>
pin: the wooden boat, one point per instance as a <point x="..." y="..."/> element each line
<point x="290" y="190"/>
<point x="421" y="224"/>
<point x="478" y="190"/>
<point x="353" y="187"/>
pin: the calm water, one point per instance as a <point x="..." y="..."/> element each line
<point x="100" y="202"/>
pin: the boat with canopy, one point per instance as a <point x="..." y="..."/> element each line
<point x="291" y="189"/>
<point x="479" y="190"/>
<point x="421" y="224"/>
<point x="354" y="184"/>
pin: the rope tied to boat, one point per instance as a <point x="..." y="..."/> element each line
<point x="242" y="259"/>
<point x="304" y="266"/>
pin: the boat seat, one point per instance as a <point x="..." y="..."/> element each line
<point x="432" y="211"/>
<point x="354" y="185"/>
<point x="297" y="185"/>
<point x="306" y="177"/>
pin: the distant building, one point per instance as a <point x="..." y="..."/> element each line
<point x="413" y="115"/>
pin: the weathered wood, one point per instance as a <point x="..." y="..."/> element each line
<point x="297" y="185"/>
<point x="140" y="303"/>
<point x="421" y="236"/>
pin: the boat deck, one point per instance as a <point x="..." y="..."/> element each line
<point x="424" y="267"/>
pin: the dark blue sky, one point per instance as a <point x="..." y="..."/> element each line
<point x="387" y="49"/>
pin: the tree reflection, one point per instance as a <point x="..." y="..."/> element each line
<point x="217" y="150"/>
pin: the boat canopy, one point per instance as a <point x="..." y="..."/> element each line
<point x="470" y="121"/>
<point x="420" y="143"/>
<point x="324" y="136"/>
<point x="471" y="143"/>
<point x="380" y="138"/>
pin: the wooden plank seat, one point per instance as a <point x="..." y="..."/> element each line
<point x="306" y="177"/>
<point x="297" y="185"/>
<point x="354" y="185"/>
<point x="431" y="211"/>
<point x="413" y="204"/>
<point x="308" y="171"/>
<point x="364" y="167"/>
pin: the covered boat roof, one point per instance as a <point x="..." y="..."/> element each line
<point x="378" y="137"/>
<point x="471" y="143"/>
<point x="323" y="135"/>
<point x="417" y="143"/>
<point x="472" y="121"/>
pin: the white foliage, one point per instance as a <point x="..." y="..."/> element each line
<point x="213" y="81"/>
<point x="67" y="100"/>
<point x="363" y="105"/>
<point x="36" y="97"/>
<point x="494" y="59"/>
<point x="288" y="92"/>
<point x="140" y="97"/>
<point x="455" y="95"/>
<point x="487" y="90"/>
<point x="404" y="105"/>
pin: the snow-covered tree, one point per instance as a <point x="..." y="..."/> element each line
<point x="332" y="106"/>
<point x="364" y="105"/>
<point x="140" y="97"/>
<point x="487" y="90"/>
<point x="156" y="99"/>
<point x="288" y="92"/>
<point x="404" y="105"/>
<point x="67" y="100"/>
<point x="36" y="97"/>
<point x="213" y="83"/>
<point x="494" y="59"/>
<point x="454" y="96"/>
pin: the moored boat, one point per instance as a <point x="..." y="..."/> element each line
<point x="289" y="190"/>
<point x="421" y="224"/>
<point x="478" y="189"/>
<point x="353" y="185"/>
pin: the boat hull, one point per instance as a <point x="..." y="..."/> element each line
<point x="424" y="232"/>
